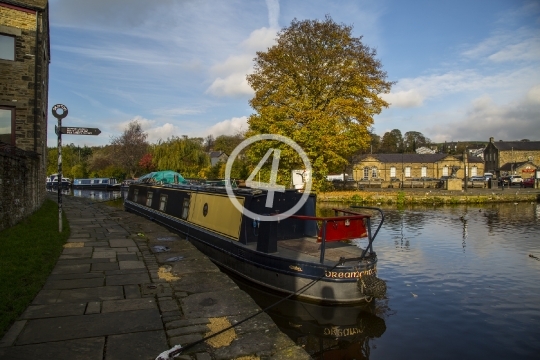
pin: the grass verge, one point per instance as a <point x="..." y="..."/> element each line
<point x="28" y="253"/>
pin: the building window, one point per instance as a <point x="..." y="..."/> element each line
<point x="424" y="171"/>
<point x="407" y="171"/>
<point x="474" y="171"/>
<point x="374" y="172"/>
<point x="149" y="196"/>
<point x="7" y="125"/>
<point x="445" y="171"/>
<point x="366" y="173"/>
<point x="393" y="172"/>
<point x="7" y="47"/>
<point x="162" y="202"/>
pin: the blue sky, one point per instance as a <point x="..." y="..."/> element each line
<point x="465" y="70"/>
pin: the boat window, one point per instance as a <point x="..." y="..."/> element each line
<point x="104" y="181"/>
<point x="162" y="202"/>
<point x="185" y="209"/>
<point x="149" y="198"/>
<point x="135" y="194"/>
<point x="86" y="182"/>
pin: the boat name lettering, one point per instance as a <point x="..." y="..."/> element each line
<point x="294" y="267"/>
<point x="349" y="274"/>
<point x="335" y="331"/>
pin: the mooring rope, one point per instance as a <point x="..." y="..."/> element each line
<point x="177" y="349"/>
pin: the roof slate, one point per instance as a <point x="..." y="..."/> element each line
<point x="517" y="145"/>
<point x="418" y="158"/>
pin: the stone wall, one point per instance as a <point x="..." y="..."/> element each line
<point x="24" y="88"/>
<point x="18" y="185"/>
<point x="519" y="156"/>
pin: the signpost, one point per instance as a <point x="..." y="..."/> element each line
<point x="67" y="131"/>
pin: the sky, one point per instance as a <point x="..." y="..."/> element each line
<point x="464" y="70"/>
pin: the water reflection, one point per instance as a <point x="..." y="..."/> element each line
<point x="325" y="332"/>
<point x="97" y="195"/>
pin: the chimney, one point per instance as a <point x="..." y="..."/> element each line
<point x="491" y="139"/>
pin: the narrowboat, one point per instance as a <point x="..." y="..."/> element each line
<point x="52" y="182"/>
<point x="97" y="184"/>
<point x="309" y="257"/>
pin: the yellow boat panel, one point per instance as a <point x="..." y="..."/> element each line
<point x="216" y="212"/>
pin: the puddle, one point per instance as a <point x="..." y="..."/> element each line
<point x="160" y="248"/>
<point x="175" y="258"/>
<point x="166" y="238"/>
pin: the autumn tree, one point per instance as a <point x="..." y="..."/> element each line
<point x="413" y="140"/>
<point x="320" y="86"/>
<point x="129" y="148"/>
<point x="392" y="142"/>
<point x="182" y="154"/>
<point x="227" y="143"/>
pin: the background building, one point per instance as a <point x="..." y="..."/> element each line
<point x="512" y="157"/>
<point x="389" y="167"/>
<point x="24" y="82"/>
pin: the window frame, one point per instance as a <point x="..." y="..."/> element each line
<point x="14" y="46"/>
<point x="366" y="173"/>
<point x="12" y="109"/>
<point x="149" y="197"/>
<point x="163" y="202"/>
<point x="423" y="171"/>
<point x="407" y="171"/>
<point x="185" y="207"/>
<point x="393" y="171"/>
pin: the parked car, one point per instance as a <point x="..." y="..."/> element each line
<point x="528" y="183"/>
<point x="477" y="181"/>
<point x="511" y="180"/>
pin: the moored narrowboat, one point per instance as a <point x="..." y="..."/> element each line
<point x="311" y="257"/>
<point x="52" y="182"/>
<point x="97" y="184"/>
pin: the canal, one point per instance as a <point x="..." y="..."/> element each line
<point x="463" y="282"/>
<point x="461" y="285"/>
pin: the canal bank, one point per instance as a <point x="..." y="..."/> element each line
<point x="432" y="196"/>
<point x="125" y="287"/>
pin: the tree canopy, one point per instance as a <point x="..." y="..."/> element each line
<point x="319" y="86"/>
<point x="130" y="147"/>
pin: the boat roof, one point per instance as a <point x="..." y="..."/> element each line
<point x="162" y="177"/>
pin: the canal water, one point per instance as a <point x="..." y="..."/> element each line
<point x="461" y="285"/>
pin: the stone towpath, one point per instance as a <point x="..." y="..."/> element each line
<point x="114" y="296"/>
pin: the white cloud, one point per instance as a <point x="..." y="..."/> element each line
<point x="485" y="117"/>
<point x="404" y="99"/>
<point x="231" y="74"/>
<point x="229" y="127"/>
<point x="162" y="132"/>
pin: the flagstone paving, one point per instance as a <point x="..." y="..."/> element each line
<point x="106" y="299"/>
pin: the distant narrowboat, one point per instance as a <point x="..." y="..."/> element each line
<point x="52" y="182"/>
<point x="97" y="184"/>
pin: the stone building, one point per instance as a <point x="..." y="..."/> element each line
<point x="389" y="167"/>
<point x="512" y="157"/>
<point x="24" y="82"/>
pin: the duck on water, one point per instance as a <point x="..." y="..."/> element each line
<point x="310" y="257"/>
